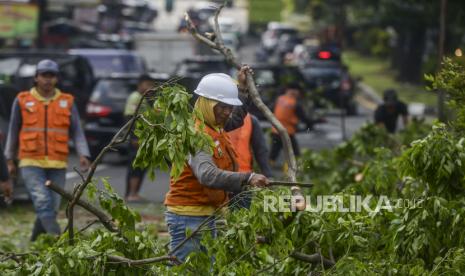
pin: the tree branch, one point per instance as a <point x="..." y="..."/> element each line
<point x="313" y="259"/>
<point x="106" y="221"/>
<point x="123" y="260"/>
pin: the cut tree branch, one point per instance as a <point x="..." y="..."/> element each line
<point x="313" y="259"/>
<point x="218" y="44"/>
<point x="106" y="221"/>
<point x="123" y="260"/>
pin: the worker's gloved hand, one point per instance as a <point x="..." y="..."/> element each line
<point x="242" y="77"/>
<point x="258" y="180"/>
<point x="84" y="163"/>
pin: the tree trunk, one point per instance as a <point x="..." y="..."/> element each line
<point x="411" y="59"/>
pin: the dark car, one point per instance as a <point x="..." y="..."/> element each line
<point x="105" y="110"/>
<point x="17" y="71"/>
<point x="325" y="74"/>
<point x="191" y="70"/>
<point x="112" y="62"/>
<point x="270" y="80"/>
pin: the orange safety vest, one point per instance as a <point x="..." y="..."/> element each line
<point x="187" y="190"/>
<point x="284" y="111"/>
<point x="45" y="127"/>
<point x="240" y="139"/>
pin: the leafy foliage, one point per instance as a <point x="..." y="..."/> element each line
<point x="169" y="132"/>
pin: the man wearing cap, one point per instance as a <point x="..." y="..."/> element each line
<point x="43" y="120"/>
<point x="387" y="113"/>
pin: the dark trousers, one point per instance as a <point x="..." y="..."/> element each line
<point x="277" y="145"/>
<point x="133" y="172"/>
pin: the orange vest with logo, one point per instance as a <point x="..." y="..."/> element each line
<point x="45" y="128"/>
<point x="284" y="111"/>
<point x="240" y="139"/>
<point x="187" y="190"/>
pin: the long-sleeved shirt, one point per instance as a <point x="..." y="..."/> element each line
<point x="259" y="148"/>
<point x="205" y="169"/>
<point x="12" y="142"/>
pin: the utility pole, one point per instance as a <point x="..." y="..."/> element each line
<point x="442" y="37"/>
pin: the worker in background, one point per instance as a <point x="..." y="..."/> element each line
<point x="43" y="120"/>
<point x="248" y="140"/>
<point x="207" y="178"/>
<point x="387" y="113"/>
<point x="135" y="176"/>
<point x="289" y="112"/>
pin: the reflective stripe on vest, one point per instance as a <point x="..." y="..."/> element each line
<point x="285" y="112"/>
<point x="187" y="191"/>
<point x="240" y="139"/>
<point x="45" y="127"/>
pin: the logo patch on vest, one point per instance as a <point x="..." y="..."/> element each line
<point x="30" y="104"/>
<point x="63" y="103"/>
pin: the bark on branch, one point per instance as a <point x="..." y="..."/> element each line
<point x="130" y="262"/>
<point x="218" y="44"/>
<point x="313" y="259"/>
<point x="106" y="221"/>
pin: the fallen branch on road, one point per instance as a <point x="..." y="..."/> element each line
<point x="106" y="221"/>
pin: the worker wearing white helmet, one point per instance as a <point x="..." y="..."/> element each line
<point x="208" y="178"/>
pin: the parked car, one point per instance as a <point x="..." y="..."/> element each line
<point x="193" y="69"/>
<point x="325" y="73"/>
<point x="274" y="31"/>
<point x="199" y="14"/>
<point x="228" y="26"/>
<point x="105" y="110"/>
<point x="112" y="62"/>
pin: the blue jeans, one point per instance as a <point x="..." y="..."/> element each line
<point x="177" y="226"/>
<point x="46" y="202"/>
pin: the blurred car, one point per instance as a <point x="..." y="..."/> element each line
<point x="270" y="80"/>
<point x="199" y="14"/>
<point x="274" y="31"/>
<point x="229" y="3"/>
<point x="286" y="45"/>
<point x="228" y="26"/>
<point x="105" y="110"/>
<point x="112" y="62"/>
<point x="193" y="69"/>
<point x="325" y="73"/>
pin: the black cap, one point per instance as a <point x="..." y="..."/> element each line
<point x="390" y="96"/>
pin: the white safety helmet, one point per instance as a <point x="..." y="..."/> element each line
<point x="219" y="87"/>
